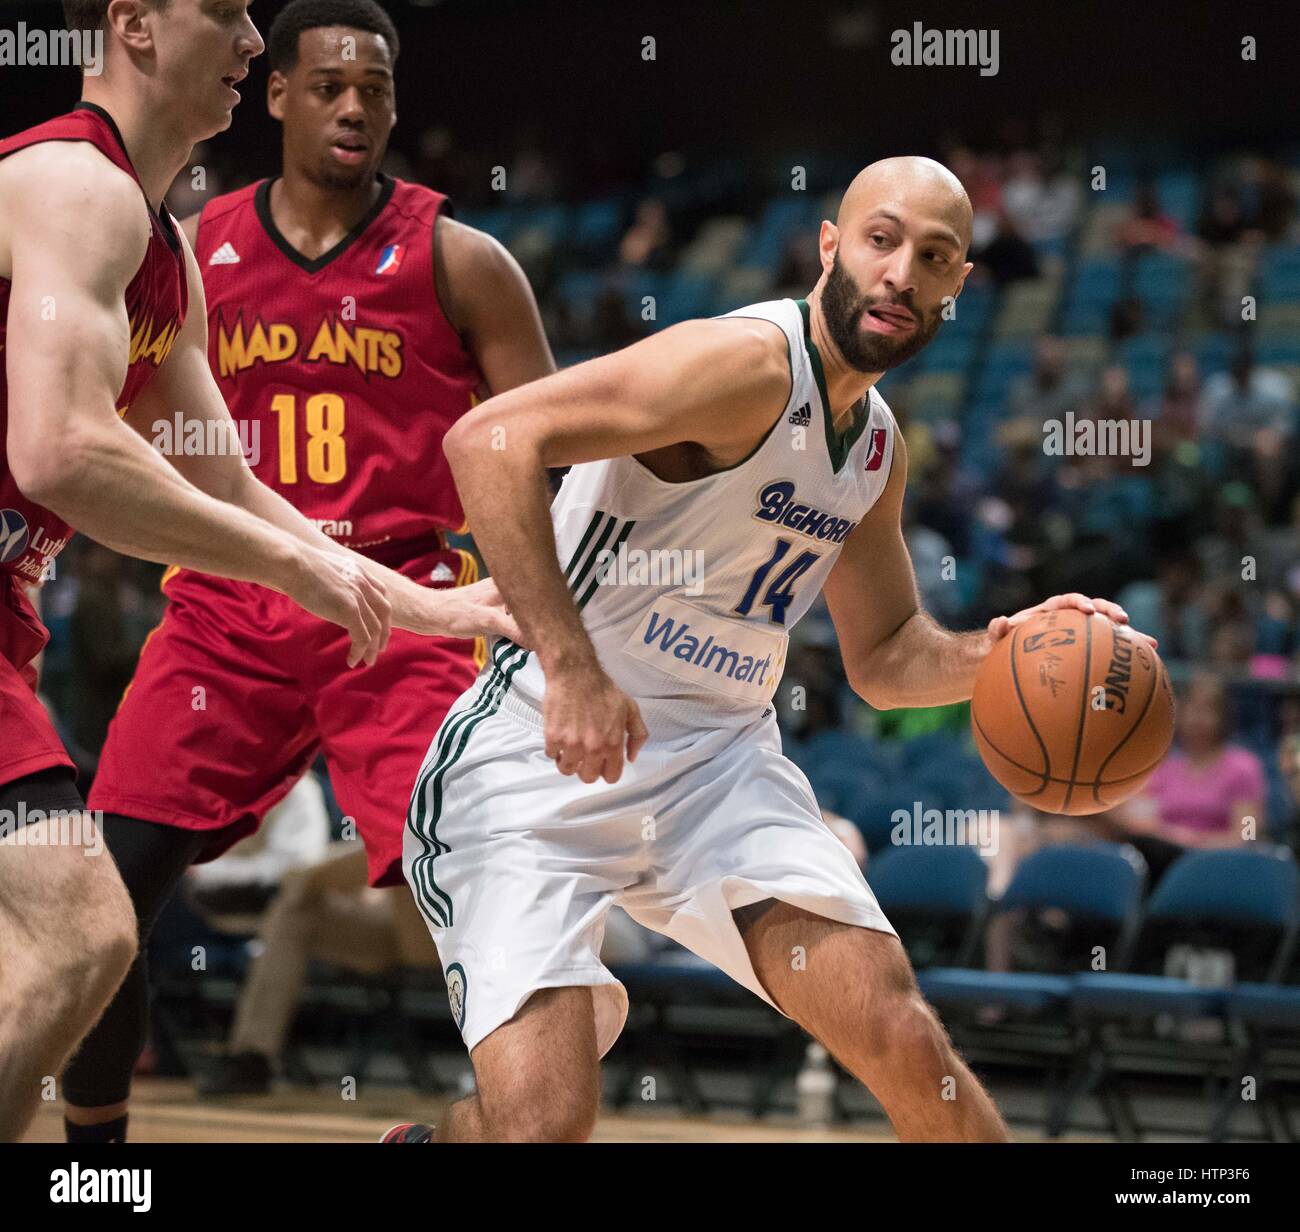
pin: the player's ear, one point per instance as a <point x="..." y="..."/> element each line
<point x="275" y="89"/>
<point x="126" y="20"/>
<point x="828" y="243"/>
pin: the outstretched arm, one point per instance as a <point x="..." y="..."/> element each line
<point x="68" y="344"/>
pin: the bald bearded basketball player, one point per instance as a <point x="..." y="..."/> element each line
<point x="634" y="757"/>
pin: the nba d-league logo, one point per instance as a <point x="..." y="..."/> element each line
<point x="456" y="993"/>
<point x="14" y="535"/>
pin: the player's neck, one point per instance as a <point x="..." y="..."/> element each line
<point x="156" y="152"/>
<point x="315" y="217"/>
<point x="845" y="385"/>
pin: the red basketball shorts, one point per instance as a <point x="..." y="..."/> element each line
<point x="238" y="689"/>
<point x="28" y="741"/>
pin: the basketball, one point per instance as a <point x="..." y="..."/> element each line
<point x="1072" y="713"/>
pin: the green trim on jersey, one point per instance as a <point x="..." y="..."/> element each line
<point x="838" y="446"/>
<point x="425" y="809"/>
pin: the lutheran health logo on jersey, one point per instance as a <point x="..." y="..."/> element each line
<point x="225" y="255"/>
<point x="14" y="535"/>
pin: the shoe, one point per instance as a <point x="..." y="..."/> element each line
<point x="409" y="1132"/>
<point x="238" y="1073"/>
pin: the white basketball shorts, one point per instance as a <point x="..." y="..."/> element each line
<point x="515" y="865"/>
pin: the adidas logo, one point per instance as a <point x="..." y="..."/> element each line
<point x="225" y="255"/>
<point x="442" y="573"/>
<point x="802" y="417"/>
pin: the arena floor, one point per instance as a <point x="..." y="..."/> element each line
<point x="166" y="1110"/>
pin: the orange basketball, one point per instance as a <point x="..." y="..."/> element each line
<point x="1072" y="713"/>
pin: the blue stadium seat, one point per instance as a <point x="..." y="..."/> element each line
<point x="1100" y="882"/>
<point x="1257" y="888"/>
<point x="596" y="224"/>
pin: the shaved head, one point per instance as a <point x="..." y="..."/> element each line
<point x="893" y="260"/>
<point x="920" y="183"/>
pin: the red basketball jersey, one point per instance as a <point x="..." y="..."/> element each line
<point x="30" y="535"/>
<point x="343" y="373"/>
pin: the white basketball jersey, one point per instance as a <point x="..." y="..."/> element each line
<point x="689" y="590"/>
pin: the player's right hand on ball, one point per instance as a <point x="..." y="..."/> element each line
<point x="589" y="724"/>
<point x="335" y="588"/>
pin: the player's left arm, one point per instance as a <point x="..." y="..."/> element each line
<point x="895" y="654"/>
<point x="185" y="382"/>
<point x="487" y="299"/>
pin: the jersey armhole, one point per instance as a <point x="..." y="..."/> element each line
<point x="442" y="212"/>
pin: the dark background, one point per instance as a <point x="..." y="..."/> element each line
<point x="785" y="83"/>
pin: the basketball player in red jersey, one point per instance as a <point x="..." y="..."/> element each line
<point x="95" y="283"/>
<point x="351" y="322"/>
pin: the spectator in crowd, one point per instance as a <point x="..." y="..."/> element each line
<point x="979" y="176"/>
<point x="1270" y="200"/>
<point x="1172" y="608"/>
<point x="1288" y="757"/>
<point x="1222" y="220"/>
<point x="1008" y="257"/>
<point x="1043" y="206"/>
<point x="1127" y="318"/>
<point x="1047" y="392"/>
<point x="647" y="243"/>
<point x="1146" y="228"/>
<point x="935" y="566"/>
<point x="1202" y="795"/>
<point x="1113" y="398"/>
<point x="324" y="911"/>
<point x="1246" y="398"/>
<point x="1179" y="410"/>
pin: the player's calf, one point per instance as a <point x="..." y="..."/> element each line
<point x="538" y="1075"/>
<point x="67" y="940"/>
<point x="854" y="991"/>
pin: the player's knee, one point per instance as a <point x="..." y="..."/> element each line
<point x="904" y="1031"/>
<point x="103" y="938"/>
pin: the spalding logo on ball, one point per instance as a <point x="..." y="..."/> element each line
<point x="1072" y="713"/>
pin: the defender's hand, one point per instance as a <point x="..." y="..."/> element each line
<point x="472" y="611"/>
<point x="333" y="586"/>
<point x="589" y="723"/>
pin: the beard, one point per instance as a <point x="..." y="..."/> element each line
<point x="843" y="304"/>
<point x="331" y="175"/>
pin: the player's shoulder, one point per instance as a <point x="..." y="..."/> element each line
<point x="415" y="202"/>
<point x="225" y="204"/>
<point x="754" y="343"/>
<point x="55" y="171"/>
<point x="54" y="187"/>
<point x="880" y="410"/>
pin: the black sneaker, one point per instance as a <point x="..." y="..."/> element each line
<point x="409" y="1132"/>
<point x="238" y="1073"/>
